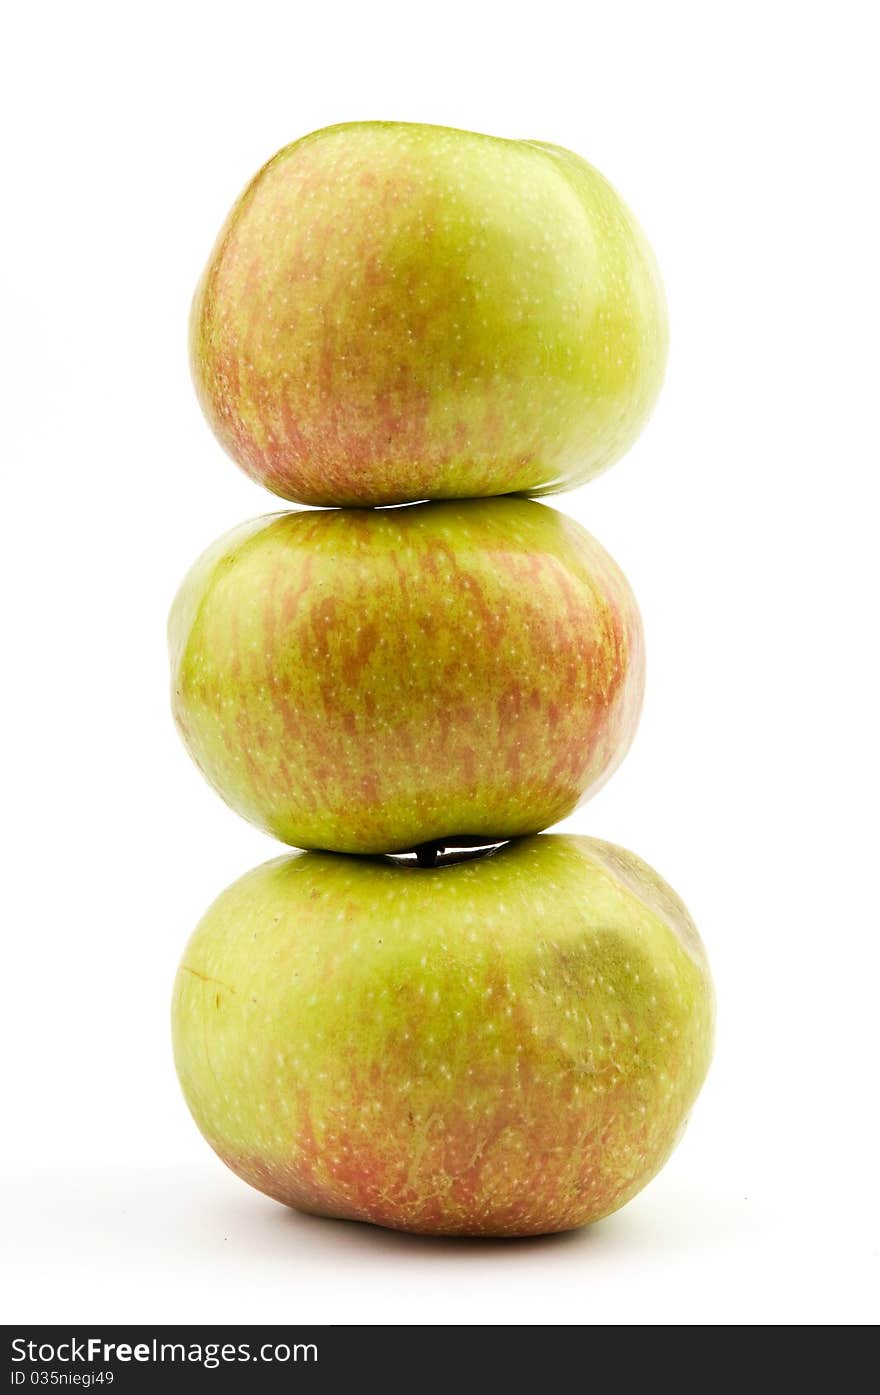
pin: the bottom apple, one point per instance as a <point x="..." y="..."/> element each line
<point x="507" y="1043"/>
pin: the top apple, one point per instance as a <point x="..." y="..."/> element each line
<point x="396" y="312"/>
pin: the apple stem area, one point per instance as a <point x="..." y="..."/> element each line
<point x="442" y="852"/>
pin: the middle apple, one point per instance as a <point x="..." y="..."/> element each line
<point x="369" y="680"/>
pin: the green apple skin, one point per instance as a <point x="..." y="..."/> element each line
<point x="504" y="1046"/>
<point x="367" y="680"/>
<point x="396" y="312"/>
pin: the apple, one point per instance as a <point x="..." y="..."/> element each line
<point x="364" y="681"/>
<point x="396" y="312"/>
<point x="508" y="1045"/>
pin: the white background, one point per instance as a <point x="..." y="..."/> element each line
<point x="744" y="136"/>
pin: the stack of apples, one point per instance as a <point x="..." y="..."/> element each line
<point x="432" y="1018"/>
